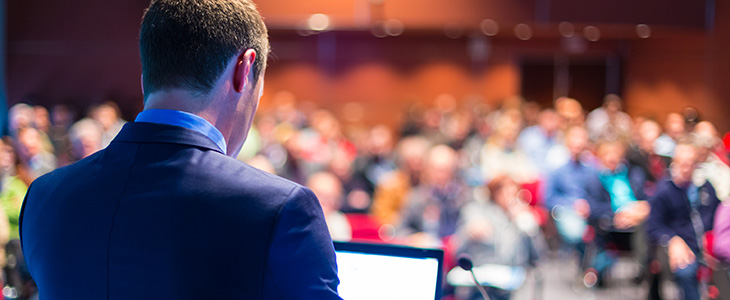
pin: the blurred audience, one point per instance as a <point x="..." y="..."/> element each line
<point x="464" y="177"/>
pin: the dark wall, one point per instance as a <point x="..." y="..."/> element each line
<point x="76" y="52"/>
<point x="83" y="52"/>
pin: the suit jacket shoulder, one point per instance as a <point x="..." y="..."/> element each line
<point x="162" y="213"/>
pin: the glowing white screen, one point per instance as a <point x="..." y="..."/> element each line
<point x="382" y="277"/>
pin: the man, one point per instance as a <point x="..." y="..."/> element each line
<point x="680" y="214"/>
<point x="647" y="167"/>
<point x="162" y="212"/>
<point x="710" y="167"/>
<point x="328" y="189"/>
<point x="536" y="141"/>
<point x="609" y="122"/>
<point x="674" y="128"/>
<point x="617" y="212"/>
<point x="568" y="189"/>
<point x="432" y="210"/>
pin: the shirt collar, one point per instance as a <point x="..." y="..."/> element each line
<point x="185" y="120"/>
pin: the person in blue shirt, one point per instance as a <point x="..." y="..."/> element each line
<point x="537" y="140"/>
<point x="568" y="189"/>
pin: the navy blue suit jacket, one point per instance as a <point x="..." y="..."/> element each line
<point x="162" y="214"/>
<point x="671" y="213"/>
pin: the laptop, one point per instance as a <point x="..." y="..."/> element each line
<point x="384" y="272"/>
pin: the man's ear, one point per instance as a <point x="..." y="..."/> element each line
<point x="141" y="83"/>
<point x="244" y="67"/>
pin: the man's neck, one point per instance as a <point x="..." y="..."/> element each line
<point x="201" y="105"/>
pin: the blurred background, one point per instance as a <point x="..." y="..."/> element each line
<point x="361" y="58"/>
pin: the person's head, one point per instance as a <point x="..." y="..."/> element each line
<point x="440" y="165"/>
<point x="188" y="44"/>
<point x="85" y="136"/>
<point x="61" y="116"/>
<point x="571" y="110"/>
<point x="208" y="58"/>
<point x="612" y="103"/>
<point x="7" y="156"/>
<point x="328" y="190"/>
<point x="42" y="119"/>
<point x="107" y="114"/>
<point x="674" y="125"/>
<point x="326" y="124"/>
<point x="648" y="131"/>
<point x="508" y="127"/>
<point x="684" y="161"/>
<point x="611" y="153"/>
<point x="705" y="128"/>
<point x="503" y="190"/>
<point x="706" y="139"/>
<point x="576" y="140"/>
<point x="30" y="143"/>
<point x="549" y="120"/>
<point x="20" y="116"/>
<point x="341" y="164"/>
<point x="410" y="153"/>
<point x="380" y="140"/>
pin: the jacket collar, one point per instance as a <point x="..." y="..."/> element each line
<point x="142" y="132"/>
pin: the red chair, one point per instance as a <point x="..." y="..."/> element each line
<point x="364" y="228"/>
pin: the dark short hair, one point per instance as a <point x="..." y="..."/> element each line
<point x="188" y="43"/>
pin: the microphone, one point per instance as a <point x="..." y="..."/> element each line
<point x="465" y="263"/>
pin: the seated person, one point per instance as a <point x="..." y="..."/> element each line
<point x="710" y="166"/>
<point x="499" y="231"/>
<point x="616" y="209"/>
<point x="501" y="153"/>
<point x="567" y="189"/>
<point x="647" y="167"/>
<point x="680" y="215"/>
<point x="433" y="207"/>
<point x="329" y="192"/>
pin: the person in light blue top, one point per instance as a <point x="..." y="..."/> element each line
<point x="568" y="191"/>
<point x="537" y="140"/>
<point x="616" y="208"/>
<point x="617" y="214"/>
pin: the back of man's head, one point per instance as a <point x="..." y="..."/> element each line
<point x="186" y="44"/>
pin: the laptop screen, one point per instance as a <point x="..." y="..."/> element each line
<point x="373" y="271"/>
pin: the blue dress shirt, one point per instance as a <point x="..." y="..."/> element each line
<point x="185" y="120"/>
<point x="569" y="183"/>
